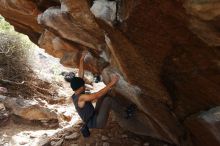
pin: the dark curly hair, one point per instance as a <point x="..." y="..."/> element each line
<point x="76" y="83"/>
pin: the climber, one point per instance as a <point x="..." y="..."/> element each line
<point x="92" y="117"/>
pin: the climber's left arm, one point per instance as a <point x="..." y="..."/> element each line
<point x="81" y="65"/>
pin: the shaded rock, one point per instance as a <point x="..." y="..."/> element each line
<point x="105" y="144"/>
<point x="146" y="144"/>
<point x="205" y="21"/>
<point x="68" y="28"/>
<point x="69" y="52"/>
<point x="104" y="138"/>
<point x="140" y="122"/>
<point x="124" y="136"/>
<point x="22" y="10"/>
<point x="2" y="98"/>
<point x="205" y="127"/>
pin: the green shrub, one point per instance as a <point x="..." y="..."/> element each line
<point x="5" y="26"/>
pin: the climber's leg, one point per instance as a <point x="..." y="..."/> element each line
<point x="102" y="115"/>
<point x="99" y="103"/>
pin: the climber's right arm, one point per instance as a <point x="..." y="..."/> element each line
<point x="102" y="92"/>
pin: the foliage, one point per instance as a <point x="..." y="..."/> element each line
<point x="16" y="74"/>
<point x="14" y="53"/>
<point x="13" y="43"/>
<point x="5" y="26"/>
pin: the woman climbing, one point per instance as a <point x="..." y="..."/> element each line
<point x="92" y="117"/>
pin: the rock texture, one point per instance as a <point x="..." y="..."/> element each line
<point x="4" y="115"/>
<point x="205" y="127"/>
<point x="166" y="52"/>
<point x="28" y="109"/>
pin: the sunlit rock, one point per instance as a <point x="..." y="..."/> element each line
<point x="18" y="10"/>
<point x="29" y="109"/>
<point x="67" y="27"/>
<point x="70" y="53"/>
<point x="105" y="10"/>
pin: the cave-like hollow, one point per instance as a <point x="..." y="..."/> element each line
<point x="166" y="53"/>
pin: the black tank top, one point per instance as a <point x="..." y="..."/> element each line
<point x="86" y="112"/>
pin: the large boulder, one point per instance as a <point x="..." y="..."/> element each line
<point x="28" y="109"/>
<point x="166" y="53"/>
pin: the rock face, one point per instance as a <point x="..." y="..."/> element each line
<point x="205" y="127"/>
<point x="166" y="53"/>
<point x="28" y="109"/>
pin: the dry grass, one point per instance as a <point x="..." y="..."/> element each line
<point x="15" y="73"/>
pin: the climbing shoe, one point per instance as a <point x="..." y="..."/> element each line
<point x="130" y="111"/>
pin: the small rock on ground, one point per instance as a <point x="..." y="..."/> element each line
<point x="57" y="143"/>
<point x="124" y="136"/>
<point x="104" y="138"/>
<point x="75" y="135"/>
<point x="106" y="144"/>
<point x="74" y="145"/>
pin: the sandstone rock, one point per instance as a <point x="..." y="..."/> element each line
<point x="69" y="52"/>
<point x="23" y="143"/>
<point x="110" y="135"/>
<point x="205" y="127"/>
<point x="75" y="135"/>
<point x="80" y="11"/>
<point x="205" y="20"/>
<point x="29" y="109"/>
<point x="106" y="144"/>
<point x="124" y="136"/>
<point x="104" y="138"/>
<point x="18" y="139"/>
<point x="4" y="115"/>
<point x="57" y="143"/>
<point x="22" y="10"/>
<point x="3" y="90"/>
<point x="2" y="98"/>
<point x="105" y="10"/>
<point x="166" y="53"/>
<point x="68" y="28"/>
<point x="2" y="107"/>
<point x="53" y="123"/>
<point x="146" y="144"/>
